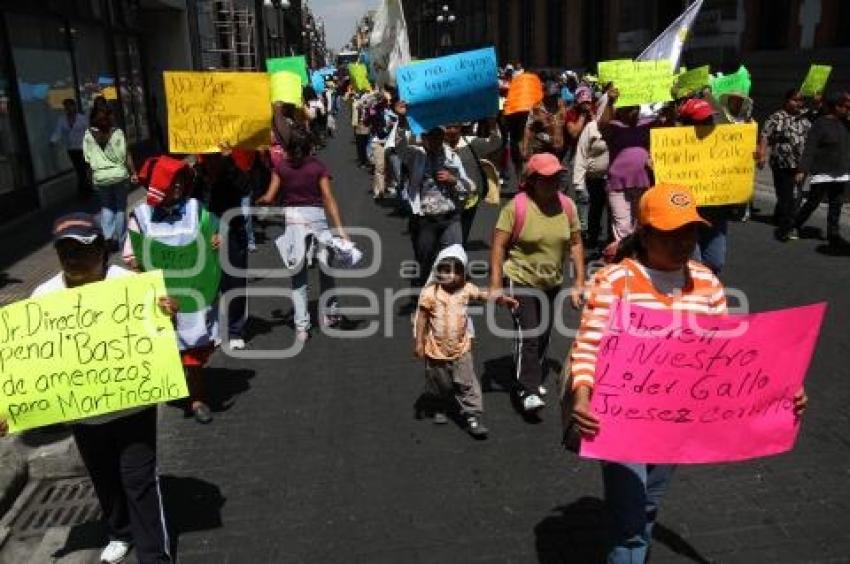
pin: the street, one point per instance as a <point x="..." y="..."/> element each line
<point x="320" y="458"/>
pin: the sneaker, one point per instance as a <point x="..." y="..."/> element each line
<point x="252" y="247"/>
<point x="202" y="414"/>
<point x="793" y="235"/>
<point x="302" y="335"/>
<point x="475" y="427"/>
<point x="532" y="402"/>
<point x="116" y="551"/>
<point x="440" y="418"/>
<point x="237" y="344"/>
<point x="542" y="391"/>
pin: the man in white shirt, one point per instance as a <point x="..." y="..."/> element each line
<point x="70" y="129"/>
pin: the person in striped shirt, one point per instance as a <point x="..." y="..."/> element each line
<point x="654" y="271"/>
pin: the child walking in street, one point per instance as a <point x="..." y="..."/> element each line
<point x="444" y="337"/>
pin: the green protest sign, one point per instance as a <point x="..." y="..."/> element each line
<point x="187" y="269"/>
<point x="737" y="83"/>
<point x="815" y="80"/>
<point x="639" y="82"/>
<point x="692" y="81"/>
<point x="296" y="65"/>
<point x="87" y="351"/>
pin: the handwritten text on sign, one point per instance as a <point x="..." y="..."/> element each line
<point x="208" y="108"/>
<point x="87" y="351"/>
<point x="457" y="88"/>
<point x="716" y="162"/>
<point x="686" y="388"/>
<point x="639" y="82"/>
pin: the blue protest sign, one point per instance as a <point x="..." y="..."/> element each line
<point x="456" y="88"/>
<point x="318" y="82"/>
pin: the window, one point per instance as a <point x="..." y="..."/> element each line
<point x="774" y="22"/>
<point x="45" y="78"/>
<point x="95" y="73"/>
<point x="13" y="169"/>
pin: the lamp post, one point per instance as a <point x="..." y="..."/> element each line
<point x="445" y="21"/>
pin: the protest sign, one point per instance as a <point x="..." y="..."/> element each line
<point x="296" y="65"/>
<point x="317" y="80"/>
<point x="737" y="83"/>
<point x="359" y="77"/>
<point x="87" y="351"/>
<point x="674" y="387"/>
<point x="286" y="88"/>
<point x="639" y="82"/>
<point x="815" y="80"/>
<point x="456" y="88"/>
<point x="206" y="109"/>
<point x="109" y="93"/>
<point x="692" y="81"/>
<point x="525" y="92"/>
<point x="716" y="162"/>
<point x="192" y="272"/>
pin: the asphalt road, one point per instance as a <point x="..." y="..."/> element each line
<point x="319" y="458"/>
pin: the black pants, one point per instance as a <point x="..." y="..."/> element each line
<point x="530" y="350"/>
<point x="834" y="192"/>
<point x="81" y="169"/>
<point x="787" y="199"/>
<point x="430" y="235"/>
<point x="237" y="310"/>
<point x="467" y="218"/>
<point x="120" y="456"/>
<point x="362" y="142"/>
<point x="596" y="207"/>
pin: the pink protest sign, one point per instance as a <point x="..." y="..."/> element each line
<point x="674" y="387"/>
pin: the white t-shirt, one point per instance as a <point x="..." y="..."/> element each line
<point x="58" y="283"/>
<point x="668" y="282"/>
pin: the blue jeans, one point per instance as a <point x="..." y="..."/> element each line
<point x="300" y="296"/>
<point x="249" y="221"/>
<point x="711" y="241"/>
<point x="633" y="493"/>
<point x="113" y="210"/>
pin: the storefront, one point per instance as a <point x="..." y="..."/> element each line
<point x="51" y="50"/>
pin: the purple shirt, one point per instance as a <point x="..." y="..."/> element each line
<point x="628" y="148"/>
<point x="300" y="186"/>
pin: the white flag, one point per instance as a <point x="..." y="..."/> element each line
<point x="388" y="45"/>
<point x="669" y="44"/>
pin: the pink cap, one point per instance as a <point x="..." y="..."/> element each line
<point x="544" y="164"/>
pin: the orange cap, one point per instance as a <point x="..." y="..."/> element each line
<point x="667" y="207"/>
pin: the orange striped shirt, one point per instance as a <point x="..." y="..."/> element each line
<point x="628" y="280"/>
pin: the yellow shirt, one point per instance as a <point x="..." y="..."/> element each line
<point x="537" y="258"/>
<point x="448" y="335"/>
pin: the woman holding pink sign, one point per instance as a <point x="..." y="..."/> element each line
<point x="654" y="271"/>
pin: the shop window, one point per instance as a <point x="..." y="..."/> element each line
<point x="13" y="169"/>
<point x="45" y="78"/>
<point x="95" y="73"/>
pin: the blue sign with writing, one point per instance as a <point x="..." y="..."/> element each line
<point x="452" y="89"/>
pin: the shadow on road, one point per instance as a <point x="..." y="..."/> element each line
<point x="575" y="534"/>
<point x="191" y="505"/>
<point x="224" y="384"/>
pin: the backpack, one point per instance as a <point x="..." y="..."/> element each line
<point x="521" y="211"/>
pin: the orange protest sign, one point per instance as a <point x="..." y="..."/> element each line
<point x="526" y="91"/>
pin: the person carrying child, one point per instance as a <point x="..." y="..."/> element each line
<point x="443" y="334"/>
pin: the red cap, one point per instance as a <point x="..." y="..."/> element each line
<point x="158" y="174"/>
<point x="696" y="110"/>
<point x="544" y="164"/>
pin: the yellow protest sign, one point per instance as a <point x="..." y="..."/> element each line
<point x="639" y="82"/>
<point x="716" y="162"/>
<point x="87" y="351"/>
<point x="208" y="108"/>
<point x="286" y="88"/>
<point x="109" y="93"/>
<point x="359" y="77"/>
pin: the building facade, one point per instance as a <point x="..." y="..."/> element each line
<point x="51" y="50"/>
